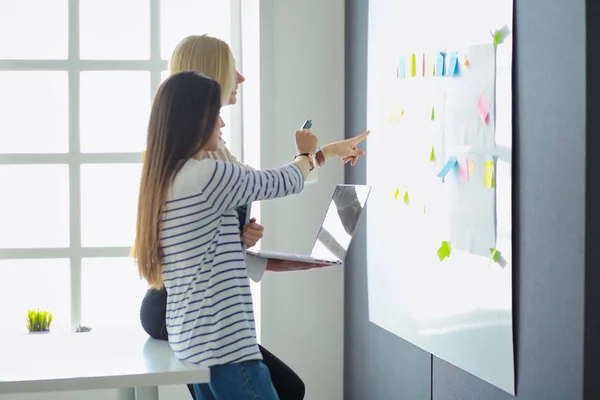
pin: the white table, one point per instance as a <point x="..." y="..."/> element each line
<point x="86" y="361"/>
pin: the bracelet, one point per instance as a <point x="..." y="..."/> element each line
<point x="310" y="159"/>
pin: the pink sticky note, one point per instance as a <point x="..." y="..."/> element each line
<point x="463" y="169"/>
<point x="483" y="107"/>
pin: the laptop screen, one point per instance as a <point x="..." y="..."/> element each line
<point x="340" y="222"/>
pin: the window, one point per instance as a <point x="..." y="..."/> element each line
<point x="77" y="79"/>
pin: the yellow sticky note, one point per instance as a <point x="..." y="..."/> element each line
<point x="488" y="174"/>
<point x="432" y="113"/>
<point x="432" y="155"/>
<point x="413" y="65"/>
<point x="471" y="167"/>
<point x="424" y="209"/>
<point x="396" y="193"/>
<point x="406" y="197"/>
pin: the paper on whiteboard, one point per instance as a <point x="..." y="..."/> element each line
<point x="472" y="209"/>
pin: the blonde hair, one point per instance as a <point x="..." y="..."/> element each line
<point x="209" y="56"/>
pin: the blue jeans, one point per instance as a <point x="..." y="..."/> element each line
<point x="248" y="380"/>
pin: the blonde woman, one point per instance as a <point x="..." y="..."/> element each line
<point x="213" y="58"/>
<point x="187" y="237"/>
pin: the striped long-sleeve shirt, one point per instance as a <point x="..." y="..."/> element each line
<point x="210" y="318"/>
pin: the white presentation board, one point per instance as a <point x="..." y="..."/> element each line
<point x="439" y="218"/>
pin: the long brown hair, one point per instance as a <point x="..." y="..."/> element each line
<point x="184" y="113"/>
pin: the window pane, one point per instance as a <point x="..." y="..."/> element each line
<point x="34" y="29"/>
<point x="109" y="195"/>
<point x="32" y="284"/>
<point x="181" y="18"/>
<point x="34" y="112"/>
<point x="114" y="29"/>
<point x="163" y="76"/>
<point x="112" y="293"/>
<point x="115" y="106"/>
<point x="35" y="206"/>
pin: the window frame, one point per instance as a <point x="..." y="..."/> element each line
<point x="74" y="158"/>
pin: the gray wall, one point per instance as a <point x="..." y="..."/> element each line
<point x="549" y="225"/>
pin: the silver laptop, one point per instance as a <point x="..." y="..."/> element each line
<point x="336" y="231"/>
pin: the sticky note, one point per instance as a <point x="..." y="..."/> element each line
<point x="439" y="64"/>
<point x="453" y="64"/>
<point x="483" y="108"/>
<point x="500" y="35"/>
<point x="465" y="60"/>
<point x="463" y="170"/>
<point x="488" y="174"/>
<point x="396" y="193"/>
<point x="423" y="66"/>
<point x="430" y="62"/>
<point x="402" y="67"/>
<point x="432" y="114"/>
<point x="413" y="65"/>
<point x="444" y="251"/>
<point x="448" y="167"/>
<point x="424" y="209"/>
<point x="405" y="198"/>
<point x="432" y="154"/>
<point x="495" y="255"/>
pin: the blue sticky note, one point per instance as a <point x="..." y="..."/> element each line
<point x="440" y="64"/>
<point x="402" y="68"/>
<point x="451" y="163"/>
<point x="453" y="64"/>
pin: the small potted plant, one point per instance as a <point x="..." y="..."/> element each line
<point x="39" y="321"/>
<point x="82" y="329"/>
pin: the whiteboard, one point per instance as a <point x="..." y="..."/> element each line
<point x="458" y="308"/>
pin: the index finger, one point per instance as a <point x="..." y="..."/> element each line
<point x="361" y="137"/>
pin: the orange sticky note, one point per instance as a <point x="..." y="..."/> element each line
<point x="471" y="167"/>
<point x="465" y="61"/>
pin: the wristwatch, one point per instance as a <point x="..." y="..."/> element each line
<point x="320" y="157"/>
<point x="311" y="160"/>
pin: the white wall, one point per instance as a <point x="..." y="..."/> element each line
<point x="302" y="76"/>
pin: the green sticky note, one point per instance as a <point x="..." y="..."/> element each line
<point x="488" y="174"/>
<point x="500" y="35"/>
<point x="413" y="65"/>
<point x="432" y="154"/>
<point x="432" y="114"/>
<point x="444" y="251"/>
<point x="396" y="194"/>
<point x="495" y="254"/>
<point x="406" y="197"/>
